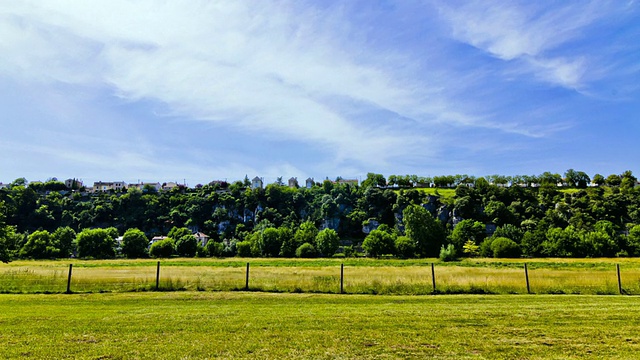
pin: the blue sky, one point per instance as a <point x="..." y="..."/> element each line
<point x="203" y="90"/>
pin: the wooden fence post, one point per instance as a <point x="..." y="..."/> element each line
<point x="246" y="286"/>
<point x="526" y="275"/>
<point x="158" y="276"/>
<point x="619" y="280"/>
<point x="341" y="278"/>
<point x="69" y="279"/>
<point x="433" y="277"/>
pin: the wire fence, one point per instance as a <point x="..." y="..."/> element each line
<point x="422" y="279"/>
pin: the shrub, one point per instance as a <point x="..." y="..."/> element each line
<point x="134" y="244"/>
<point x="405" y="247"/>
<point x="505" y="248"/>
<point x="327" y="242"/>
<point x="96" y="243"/>
<point x="187" y="246"/>
<point x="243" y="248"/>
<point x="348" y="251"/>
<point x="214" y="249"/>
<point x="379" y="243"/>
<point x="306" y="250"/>
<point x="163" y="248"/>
<point x="448" y="253"/>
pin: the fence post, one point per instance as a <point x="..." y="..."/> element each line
<point x="619" y="280"/>
<point x="341" y="278"/>
<point x="433" y="277"/>
<point x="158" y="276"/>
<point x="69" y="279"/>
<point x="246" y="286"/>
<point x="526" y="275"/>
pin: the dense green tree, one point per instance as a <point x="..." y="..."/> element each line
<point x="306" y="233"/>
<point x="306" y="250"/>
<point x="40" y="245"/>
<point x="379" y="243"/>
<point x="187" y="246"/>
<point x="327" y="242"/>
<point x="135" y="244"/>
<point x="96" y="243"/>
<point x="427" y="232"/>
<point x="163" y="248"/>
<point x="64" y="238"/>
<point x="504" y="248"/>
<point x="467" y="230"/>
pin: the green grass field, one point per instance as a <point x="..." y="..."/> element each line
<point x="361" y="276"/>
<point x="196" y="325"/>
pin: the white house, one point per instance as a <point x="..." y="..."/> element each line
<point x="106" y="186"/>
<point x="309" y="183"/>
<point x="256" y="183"/>
<point x="202" y="238"/>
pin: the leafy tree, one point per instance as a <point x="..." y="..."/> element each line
<point x="306" y="250"/>
<point x="243" y="248"/>
<point x="163" y="248"/>
<point x="327" y="242"/>
<point x="467" y="230"/>
<point x="135" y="244"/>
<point x="448" y="253"/>
<point x="633" y="241"/>
<point x="95" y="243"/>
<point x="269" y="242"/>
<point x="598" y="179"/>
<point x="424" y="230"/>
<point x="374" y="180"/>
<point x="64" y="238"/>
<point x="289" y="246"/>
<point x="405" y="247"/>
<point x="306" y="233"/>
<point x="187" y="245"/>
<point x="214" y="249"/>
<point x="471" y="248"/>
<point x="40" y="245"/>
<point x="379" y="243"/>
<point x="504" y="248"/>
<point x="178" y="232"/>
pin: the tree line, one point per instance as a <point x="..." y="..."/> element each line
<point x="546" y="215"/>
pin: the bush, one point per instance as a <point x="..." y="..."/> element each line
<point x="379" y="243"/>
<point x="505" y="248"/>
<point x="163" y="248"/>
<point x="187" y="246"/>
<point x="306" y="250"/>
<point x="448" y="253"/>
<point x="348" y="251"/>
<point x="243" y="248"/>
<point x="405" y="247"/>
<point x="327" y="242"/>
<point x="96" y="243"/>
<point x="135" y="244"/>
<point x="214" y="249"/>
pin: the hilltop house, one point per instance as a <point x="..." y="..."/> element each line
<point x="141" y="186"/>
<point x="309" y="183"/>
<point x="202" y="238"/>
<point x="293" y="182"/>
<point x="256" y="183"/>
<point x="106" y="186"/>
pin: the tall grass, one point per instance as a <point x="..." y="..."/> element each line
<point x="361" y="276"/>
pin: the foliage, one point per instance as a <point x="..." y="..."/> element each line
<point x="306" y="250"/>
<point x="327" y="242"/>
<point x="379" y="243"/>
<point x="163" y="248"/>
<point x="64" y="238"/>
<point x="448" y="253"/>
<point x="187" y="246"/>
<point x="96" y="243"/>
<point x="405" y="247"/>
<point x="40" y="245"/>
<point x="243" y="248"/>
<point x="214" y="249"/>
<point x="471" y="249"/>
<point x="504" y="248"/>
<point x="465" y="231"/>
<point x="135" y="244"/>
<point x="424" y="230"/>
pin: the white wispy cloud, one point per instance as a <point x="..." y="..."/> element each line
<point x="530" y="33"/>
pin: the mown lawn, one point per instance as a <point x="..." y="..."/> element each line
<point x="195" y="325"/>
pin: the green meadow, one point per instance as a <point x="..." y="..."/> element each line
<point x="235" y="325"/>
<point x="361" y="276"/>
